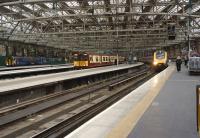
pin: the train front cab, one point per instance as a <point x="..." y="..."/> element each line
<point x="10" y="61"/>
<point x="81" y="61"/>
<point x="160" y="60"/>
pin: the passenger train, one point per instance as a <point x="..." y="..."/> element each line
<point x="89" y="60"/>
<point x="160" y="60"/>
<point x="12" y="61"/>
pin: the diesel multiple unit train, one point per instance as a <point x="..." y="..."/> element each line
<point x="89" y="60"/>
<point x="12" y="61"/>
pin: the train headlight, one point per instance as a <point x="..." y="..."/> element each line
<point x="155" y="63"/>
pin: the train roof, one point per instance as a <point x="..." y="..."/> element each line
<point x="90" y="53"/>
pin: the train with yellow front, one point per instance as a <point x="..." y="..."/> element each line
<point x="160" y="60"/>
<point x="90" y="60"/>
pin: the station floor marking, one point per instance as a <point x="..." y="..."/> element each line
<point x="124" y="127"/>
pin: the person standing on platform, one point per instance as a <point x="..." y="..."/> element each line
<point x="178" y="63"/>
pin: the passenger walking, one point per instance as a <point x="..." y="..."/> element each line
<point x="178" y="63"/>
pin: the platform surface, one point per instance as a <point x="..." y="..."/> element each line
<point x="173" y="112"/>
<point x="3" y="68"/>
<point x="18" y="83"/>
<point x="32" y="70"/>
<point x="163" y="107"/>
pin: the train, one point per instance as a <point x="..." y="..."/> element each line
<point x="91" y="60"/>
<point x="12" y="61"/>
<point x="160" y="60"/>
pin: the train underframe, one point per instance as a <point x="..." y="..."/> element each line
<point x="159" y="67"/>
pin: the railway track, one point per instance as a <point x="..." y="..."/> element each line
<point x="92" y="100"/>
<point x="66" y="126"/>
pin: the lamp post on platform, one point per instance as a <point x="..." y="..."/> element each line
<point x="117" y="2"/>
<point x="188" y="25"/>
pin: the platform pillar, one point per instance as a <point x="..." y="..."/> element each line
<point x="198" y="106"/>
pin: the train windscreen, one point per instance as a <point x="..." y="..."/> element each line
<point x="83" y="57"/>
<point x="76" y="57"/>
<point x="160" y="55"/>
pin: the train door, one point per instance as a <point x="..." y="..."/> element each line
<point x="76" y="60"/>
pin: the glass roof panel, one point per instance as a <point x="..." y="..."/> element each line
<point x="75" y="3"/>
<point x="13" y="8"/>
<point x="164" y="0"/>
<point x="99" y="11"/>
<point x="184" y="0"/>
<point x="112" y="1"/>
<point x="36" y="7"/>
<point x="159" y="8"/>
<point x="175" y="9"/>
<point x="77" y="11"/>
<point x="72" y="3"/>
<point x="196" y="8"/>
<point x="137" y="9"/>
<point x="50" y="5"/>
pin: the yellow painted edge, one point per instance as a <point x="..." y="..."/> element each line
<point x="124" y="127"/>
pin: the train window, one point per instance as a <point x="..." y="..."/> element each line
<point x="160" y="55"/>
<point x="80" y="57"/>
<point x="103" y="58"/>
<point x="96" y="59"/>
<point x="91" y="59"/>
<point x="83" y="57"/>
<point x="75" y="57"/>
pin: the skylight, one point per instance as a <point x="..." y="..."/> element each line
<point x="72" y="3"/>
<point x="196" y="8"/>
<point x="50" y="5"/>
<point x="175" y="9"/>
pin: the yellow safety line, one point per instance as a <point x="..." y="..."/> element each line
<point x="124" y="127"/>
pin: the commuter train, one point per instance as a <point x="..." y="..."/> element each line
<point x="160" y="60"/>
<point x="24" y="61"/>
<point x="88" y="60"/>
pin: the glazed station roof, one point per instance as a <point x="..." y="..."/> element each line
<point x="99" y="24"/>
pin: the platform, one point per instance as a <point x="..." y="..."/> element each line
<point x="173" y="112"/>
<point x="34" y="70"/>
<point x="41" y="80"/>
<point x="3" y="68"/>
<point x="163" y="107"/>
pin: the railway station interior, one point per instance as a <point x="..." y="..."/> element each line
<point x="99" y="68"/>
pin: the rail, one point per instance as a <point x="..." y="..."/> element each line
<point x="14" y="112"/>
<point x="112" y="86"/>
<point x="66" y="126"/>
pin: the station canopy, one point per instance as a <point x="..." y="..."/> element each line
<point x="92" y="25"/>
